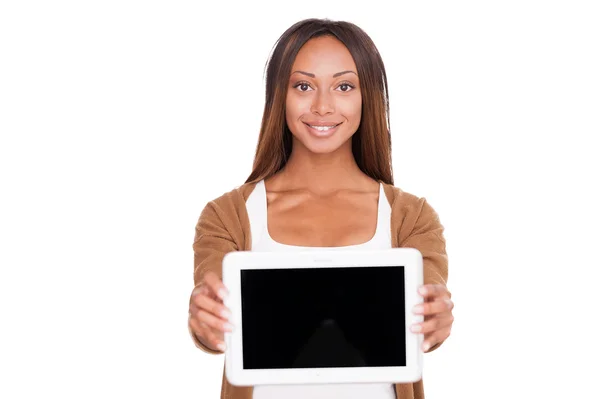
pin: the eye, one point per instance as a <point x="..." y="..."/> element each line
<point x="349" y="86"/>
<point x="302" y="84"/>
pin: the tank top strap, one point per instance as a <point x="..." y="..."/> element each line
<point x="256" y="205"/>
<point x="384" y="215"/>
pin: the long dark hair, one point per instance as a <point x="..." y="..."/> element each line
<point x="371" y="144"/>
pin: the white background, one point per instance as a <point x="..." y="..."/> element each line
<point x="119" y="120"/>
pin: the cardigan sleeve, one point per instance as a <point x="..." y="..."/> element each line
<point x="212" y="241"/>
<point x="426" y="235"/>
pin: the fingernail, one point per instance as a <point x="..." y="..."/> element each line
<point x="226" y="314"/>
<point x="423" y="290"/>
<point x="418" y="309"/>
<point x="222" y="293"/>
<point x="221" y="346"/>
<point x="228" y="327"/>
<point x="416" y="328"/>
<point x="426" y="346"/>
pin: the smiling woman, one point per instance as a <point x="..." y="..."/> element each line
<point x="328" y="104"/>
<point x="325" y="72"/>
<point x="321" y="180"/>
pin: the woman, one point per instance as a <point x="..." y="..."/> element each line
<point x="322" y="177"/>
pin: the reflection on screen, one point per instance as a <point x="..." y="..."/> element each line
<point x="327" y="317"/>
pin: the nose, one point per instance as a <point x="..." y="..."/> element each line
<point x="323" y="103"/>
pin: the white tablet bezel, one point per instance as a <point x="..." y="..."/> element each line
<point x="236" y="261"/>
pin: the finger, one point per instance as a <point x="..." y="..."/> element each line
<point x="201" y="289"/>
<point x="434" y="290"/>
<point x="432" y="325"/>
<point x="215" y="284"/>
<point x="212" y="306"/>
<point x="194" y="310"/>
<point x="439" y="305"/>
<point x="214" y="338"/>
<point x="198" y="290"/>
<point x="209" y="337"/>
<point x="197" y="327"/>
<point x="436" y="337"/>
<point x="213" y="321"/>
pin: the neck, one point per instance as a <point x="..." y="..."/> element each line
<point x="322" y="173"/>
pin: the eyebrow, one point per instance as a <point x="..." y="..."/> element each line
<point x="335" y="75"/>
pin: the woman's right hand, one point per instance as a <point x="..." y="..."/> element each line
<point x="209" y="318"/>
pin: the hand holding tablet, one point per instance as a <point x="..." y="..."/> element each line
<point x="438" y="315"/>
<point x="315" y="317"/>
<point x="209" y="317"/>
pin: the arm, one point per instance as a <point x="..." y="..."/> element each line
<point x="426" y="235"/>
<point x="212" y="241"/>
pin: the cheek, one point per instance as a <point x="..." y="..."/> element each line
<point x="293" y="109"/>
<point x="352" y="110"/>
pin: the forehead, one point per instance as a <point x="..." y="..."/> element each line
<point x="324" y="56"/>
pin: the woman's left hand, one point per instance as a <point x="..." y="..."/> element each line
<point x="437" y="309"/>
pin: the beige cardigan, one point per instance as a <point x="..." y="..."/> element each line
<point x="224" y="226"/>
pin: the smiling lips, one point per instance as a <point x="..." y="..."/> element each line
<point x="322" y="128"/>
<point x="321" y="123"/>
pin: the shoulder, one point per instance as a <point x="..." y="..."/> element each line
<point x="229" y="208"/>
<point x="400" y="199"/>
<point x="410" y="213"/>
<point x="407" y="203"/>
<point x="227" y="217"/>
<point x="234" y="198"/>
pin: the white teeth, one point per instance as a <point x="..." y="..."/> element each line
<point x="322" y="128"/>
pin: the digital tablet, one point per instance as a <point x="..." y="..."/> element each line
<point x="323" y="316"/>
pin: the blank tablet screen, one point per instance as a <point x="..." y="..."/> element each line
<point x="323" y="317"/>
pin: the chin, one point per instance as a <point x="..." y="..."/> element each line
<point x="323" y="146"/>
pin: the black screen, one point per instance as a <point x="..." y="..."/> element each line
<point x="326" y="317"/>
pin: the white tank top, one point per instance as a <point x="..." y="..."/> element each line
<point x="262" y="241"/>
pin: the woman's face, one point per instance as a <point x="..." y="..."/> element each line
<point x="323" y="90"/>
